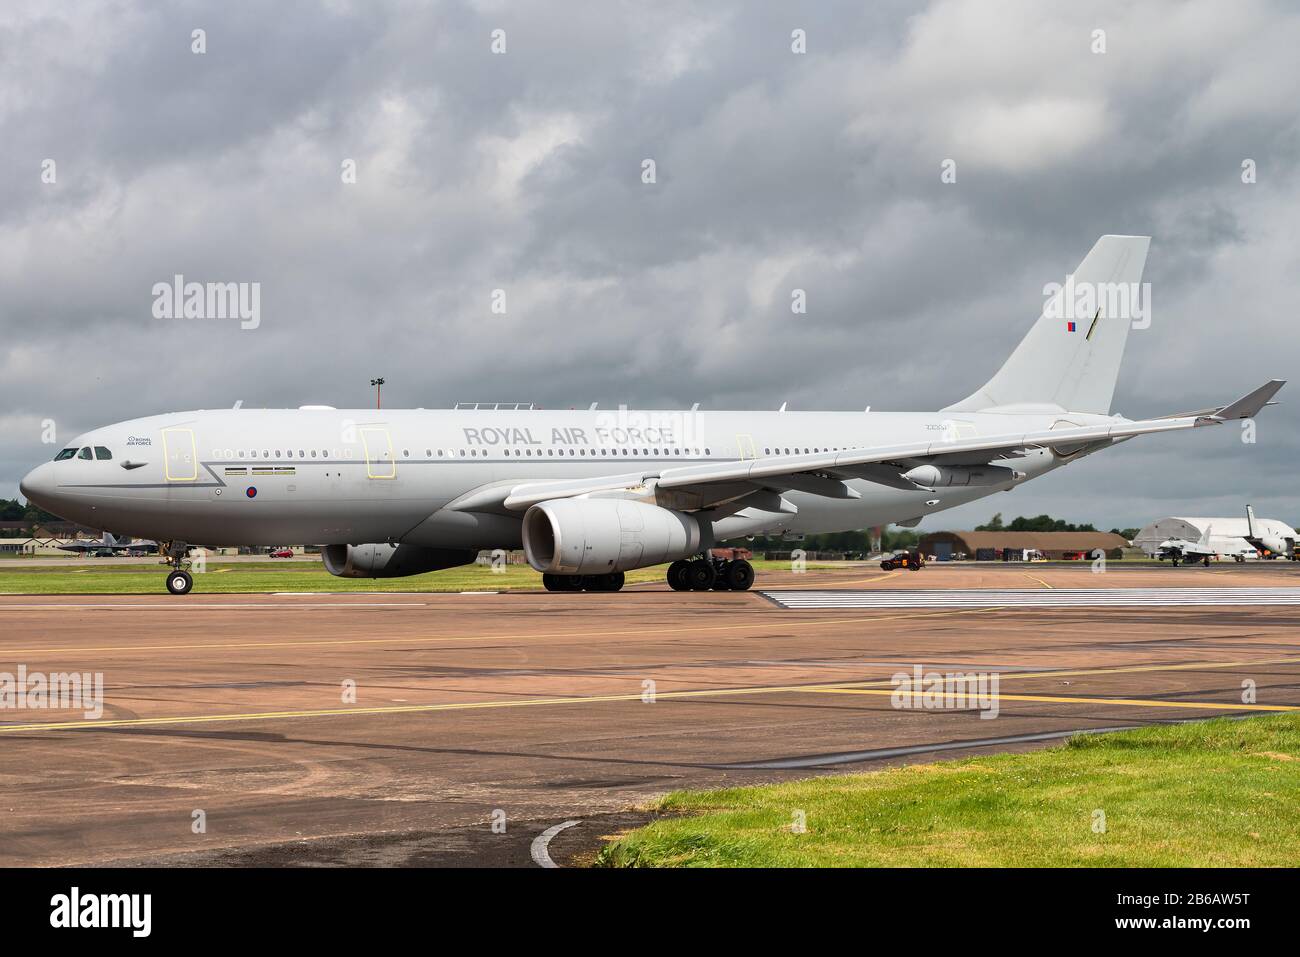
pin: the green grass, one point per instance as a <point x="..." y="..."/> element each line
<point x="1216" y="793"/>
<point x="105" y="577"/>
<point x="271" y="576"/>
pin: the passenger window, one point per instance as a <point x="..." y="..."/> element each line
<point x="84" y="453"/>
<point x="102" y="453"/>
<point x="65" y="454"/>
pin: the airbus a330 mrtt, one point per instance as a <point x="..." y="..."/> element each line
<point x="591" y="494"/>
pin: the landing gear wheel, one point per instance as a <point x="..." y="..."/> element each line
<point x="677" y="576"/>
<point x="610" y="582"/>
<point x="700" y="574"/>
<point x="1207" y="561"/>
<point x="738" y="575"/>
<point x="179" y="582"/>
<point x="553" y="582"/>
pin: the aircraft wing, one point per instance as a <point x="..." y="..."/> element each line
<point x="824" y="473"/>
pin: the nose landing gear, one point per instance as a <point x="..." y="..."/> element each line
<point x="179" y="581"/>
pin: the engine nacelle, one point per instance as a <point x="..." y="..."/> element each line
<point x="592" y="536"/>
<point x="945" y="476"/>
<point x="382" y="560"/>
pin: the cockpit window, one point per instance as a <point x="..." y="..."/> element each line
<point x="102" y="453"/>
<point x="65" y="454"/>
<point x="84" y="453"/>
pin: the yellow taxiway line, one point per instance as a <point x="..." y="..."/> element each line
<point x="1066" y="699"/>
<point x="837" y="584"/>
<point x="864" y="687"/>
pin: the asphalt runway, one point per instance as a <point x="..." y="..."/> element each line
<point x="538" y="709"/>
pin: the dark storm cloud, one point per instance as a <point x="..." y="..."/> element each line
<point x="775" y="172"/>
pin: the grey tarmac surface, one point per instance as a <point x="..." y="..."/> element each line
<point x="538" y="706"/>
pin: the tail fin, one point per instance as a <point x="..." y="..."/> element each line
<point x="1205" y="539"/>
<point x="1069" y="360"/>
<point x="1250" y="521"/>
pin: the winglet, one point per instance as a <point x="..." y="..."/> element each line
<point x="1248" y="406"/>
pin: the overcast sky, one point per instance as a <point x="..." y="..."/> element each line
<point x="523" y="171"/>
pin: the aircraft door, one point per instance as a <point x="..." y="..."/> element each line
<point x="378" y="445"/>
<point x="180" y="458"/>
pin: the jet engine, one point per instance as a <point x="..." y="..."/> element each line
<point x="592" y="536"/>
<point x="383" y="560"/>
<point x="945" y="476"/>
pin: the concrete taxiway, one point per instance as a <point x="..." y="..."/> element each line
<point x="537" y="709"/>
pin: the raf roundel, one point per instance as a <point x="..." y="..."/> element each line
<point x="251" y="492"/>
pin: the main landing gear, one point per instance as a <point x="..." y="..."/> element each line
<point x="179" y="581"/>
<point x="718" y="574"/>
<point x="612" y="581"/>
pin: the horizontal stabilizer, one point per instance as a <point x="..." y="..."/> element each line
<point x="1248" y="406"/>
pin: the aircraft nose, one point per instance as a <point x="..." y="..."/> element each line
<point x="38" y="486"/>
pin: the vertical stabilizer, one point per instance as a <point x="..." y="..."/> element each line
<point x="1069" y="360"/>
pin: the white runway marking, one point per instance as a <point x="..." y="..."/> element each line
<point x="542" y="844"/>
<point x="1034" y="597"/>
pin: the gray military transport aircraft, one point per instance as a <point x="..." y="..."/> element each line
<point x="591" y="494"/>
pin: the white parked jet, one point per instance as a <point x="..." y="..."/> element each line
<point x="589" y="494"/>
<point x="1187" y="552"/>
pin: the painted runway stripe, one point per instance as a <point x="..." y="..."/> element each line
<point x="541" y="848"/>
<point x="1034" y="598"/>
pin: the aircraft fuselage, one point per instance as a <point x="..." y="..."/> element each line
<point x="340" y="476"/>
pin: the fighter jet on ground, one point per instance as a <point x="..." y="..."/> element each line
<point x="110" y="544"/>
<point x="1180" y="550"/>
<point x="590" y="494"/>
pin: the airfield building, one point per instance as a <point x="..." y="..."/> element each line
<point x="1017" y="546"/>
